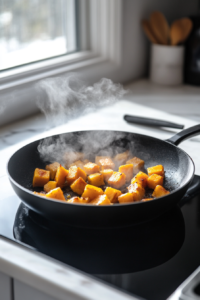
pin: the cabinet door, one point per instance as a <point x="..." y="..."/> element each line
<point x="5" y="287"/>
<point x="25" y="292"/>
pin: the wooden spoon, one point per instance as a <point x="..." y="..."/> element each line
<point x="160" y="27"/>
<point x="180" y="30"/>
<point x="148" y="31"/>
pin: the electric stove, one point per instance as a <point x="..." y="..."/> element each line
<point x="148" y="260"/>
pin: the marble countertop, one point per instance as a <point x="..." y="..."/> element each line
<point x="44" y="273"/>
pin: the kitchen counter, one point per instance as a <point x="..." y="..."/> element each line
<point x="44" y="274"/>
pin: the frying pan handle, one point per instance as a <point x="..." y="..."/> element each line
<point x="184" y="134"/>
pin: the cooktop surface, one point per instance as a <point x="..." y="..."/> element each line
<point x="149" y="260"/>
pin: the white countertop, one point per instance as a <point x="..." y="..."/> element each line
<point x="46" y="274"/>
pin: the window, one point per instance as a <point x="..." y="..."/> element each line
<point x="34" y="30"/>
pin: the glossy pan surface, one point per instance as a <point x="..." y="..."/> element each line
<point x="179" y="171"/>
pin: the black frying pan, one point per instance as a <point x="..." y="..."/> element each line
<point x="179" y="172"/>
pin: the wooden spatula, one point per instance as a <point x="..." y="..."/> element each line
<point x="180" y="30"/>
<point x="148" y="31"/>
<point x="160" y="27"/>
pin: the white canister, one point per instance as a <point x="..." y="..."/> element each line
<point x="166" y="64"/>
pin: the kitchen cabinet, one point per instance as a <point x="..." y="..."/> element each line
<point x="6" y="291"/>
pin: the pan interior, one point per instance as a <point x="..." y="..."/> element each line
<point x="177" y="164"/>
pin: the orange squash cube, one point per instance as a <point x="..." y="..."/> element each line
<point x="78" y="163"/>
<point x="160" y="191"/>
<point x="50" y="186"/>
<point x="159" y="170"/>
<point x="121" y="158"/>
<point x="137" y="190"/>
<point x="70" y="157"/>
<point x="127" y="170"/>
<point x="146" y="199"/>
<point x="78" y="186"/>
<point x="91" y="168"/>
<point x="40" y="177"/>
<point x="107" y="173"/>
<point x="137" y="163"/>
<point x="101" y="200"/>
<point x="56" y="194"/>
<point x="75" y="173"/>
<point x="96" y="179"/>
<point x="141" y="178"/>
<point x="117" y="180"/>
<point x="112" y="194"/>
<point x="61" y="176"/>
<point x="78" y="200"/>
<point x="126" y="198"/>
<point x="154" y="180"/>
<point x="53" y="169"/>
<point x="91" y="192"/>
<point x="105" y="162"/>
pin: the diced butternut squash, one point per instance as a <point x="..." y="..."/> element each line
<point x="91" y="168"/>
<point x="117" y="180"/>
<point x="121" y="158"/>
<point x="40" y="194"/>
<point x="92" y="192"/>
<point x="160" y="191"/>
<point x="159" y="170"/>
<point x="78" y="186"/>
<point x="105" y="162"/>
<point x="141" y="178"/>
<point x="53" y="169"/>
<point x="154" y="180"/>
<point x="78" y="163"/>
<point x="101" y="200"/>
<point x="61" y="176"/>
<point x="137" y="190"/>
<point x="112" y="194"/>
<point x="146" y="199"/>
<point x="96" y="179"/>
<point x="138" y="164"/>
<point x="50" y="186"/>
<point x="78" y="200"/>
<point x="40" y="177"/>
<point x="70" y="157"/>
<point x="75" y="173"/>
<point x="56" y="194"/>
<point x="126" y="198"/>
<point x="127" y="170"/>
<point x="107" y="173"/>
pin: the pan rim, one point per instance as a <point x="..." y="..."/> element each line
<point x="103" y="206"/>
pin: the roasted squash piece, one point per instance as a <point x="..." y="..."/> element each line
<point x="146" y="199"/>
<point x="160" y="191"/>
<point x="50" y="186"/>
<point x="70" y="157"/>
<point x="91" y="168"/>
<point x="53" y="169"/>
<point x="91" y="192"/>
<point x="121" y="158"/>
<point x="112" y="194"/>
<point x="56" y="194"/>
<point x="40" y="177"/>
<point x="105" y="162"/>
<point x="101" y="200"/>
<point x="78" y="186"/>
<point x="107" y="173"/>
<point x="127" y="170"/>
<point x="61" y="176"/>
<point x="159" y="170"/>
<point x="126" y="198"/>
<point x="75" y="173"/>
<point x="141" y="178"/>
<point x="96" y="179"/>
<point x="78" y="200"/>
<point x="137" y="163"/>
<point x="117" y="180"/>
<point x="154" y="180"/>
<point x="137" y="190"/>
<point x="78" y="163"/>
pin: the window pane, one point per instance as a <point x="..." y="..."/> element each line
<point x="32" y="30"/>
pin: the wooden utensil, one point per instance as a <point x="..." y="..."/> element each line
<point x="180" y="30"/>
<point x="160" y="27"/>
<point x="148" y="31"/>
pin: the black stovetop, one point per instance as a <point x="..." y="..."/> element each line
<point x="149" y="260"/>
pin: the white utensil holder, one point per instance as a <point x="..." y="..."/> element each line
<point x="166" y="64"/>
